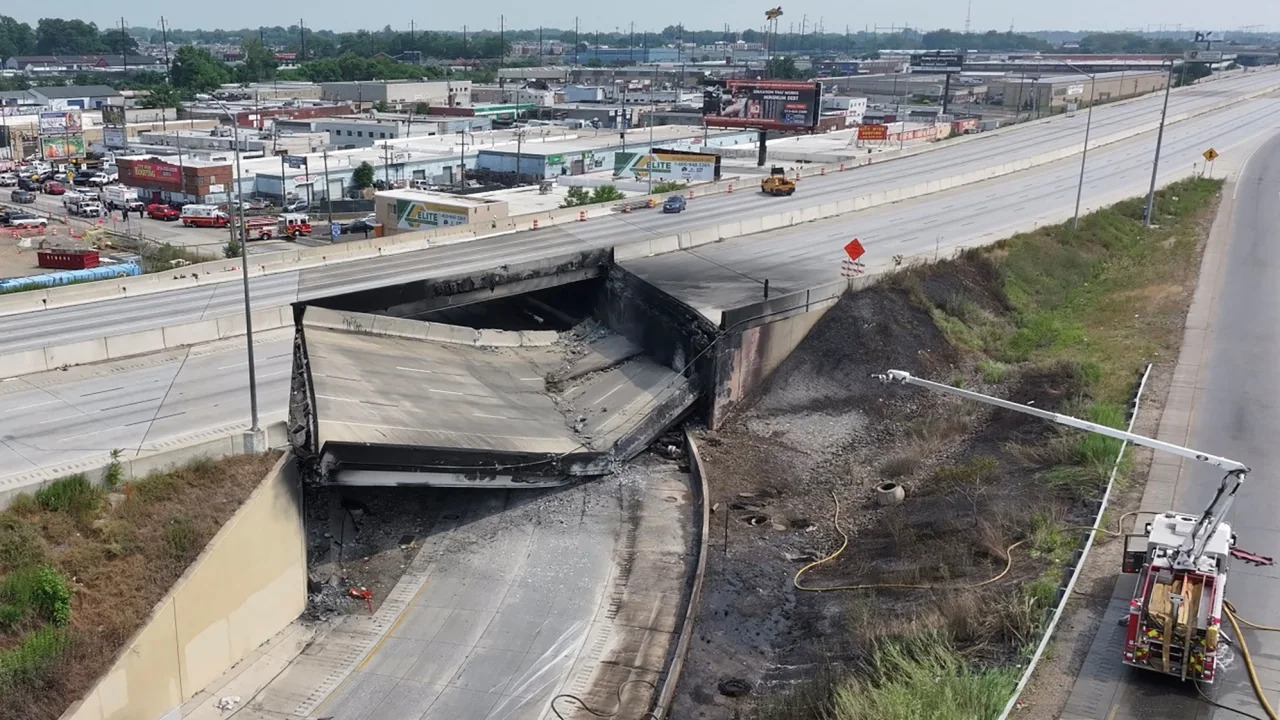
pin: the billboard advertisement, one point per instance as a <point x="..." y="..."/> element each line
<point x="762" y="104"/>
<point x="667" y="165"/>
<point x="938" y="61"/>
<point x="113" y="115"/>
<point x="873" y="132"/>
<point x="62" y="122"/>
<point x="113" y="137"/>
<point x="415" y="215"/>
<point x="62" y="148"/>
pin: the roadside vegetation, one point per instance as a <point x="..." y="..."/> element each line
<point x="997" y="502"/>
<point x="82" y="566"/>
<point x="578" y="196"/>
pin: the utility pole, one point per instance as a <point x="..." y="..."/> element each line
<point x="464" y="41"/>
<point x="124" y="47"/>
<point x="575" y="40"/>
<point x="1155" y="164"/>
<point x="328" y="194"/>
<point x="462" y="162"/>
<point x="631" y="46"/>
<point x="411" y="38"/>
<point x="302" y="41"/>
<point x="164" y="38"/>
<point x="519" y="147"/>
<point x="502" y="39"/>
<point x="386" y="165"/>
<point x="968" y="15"/>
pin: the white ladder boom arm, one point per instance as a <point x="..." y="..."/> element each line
<point x="906" y="378"/>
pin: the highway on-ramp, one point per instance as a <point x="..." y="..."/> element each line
<point x="1231" y="390"/>
<point x="111" y="317"/>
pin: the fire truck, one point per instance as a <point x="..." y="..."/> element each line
<point x="1176" y="611"/>
<point x="289" y="225"/>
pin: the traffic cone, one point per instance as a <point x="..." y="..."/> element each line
<point x="690" y="193"/>
<point x="653" y="203"/>
<point x="582" y="216"/>
<point x="730" y="188"/>
<point x="822" y="170"/>
<point x="535" y="223"/>
<point x="841" y="167"/>
<point x="626" y="208"/>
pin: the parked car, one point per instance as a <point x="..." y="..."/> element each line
<point x="100" y="179"/>
<point x="673" y="204"/>
<point x="160" y="211"/>
<point x="22" y="219"/>
<point x="26" y="197"/>
<point x="360" y="225"/>
<point x="8" y="179"/>
<point x="296" y="205"/>
<point x="53" y="187"/>
<point x="82" y="178"/>
<point x="61" y="177"/>
<point x="26" y="183"/>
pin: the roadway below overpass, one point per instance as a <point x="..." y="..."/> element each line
<point x="115" y="317"/>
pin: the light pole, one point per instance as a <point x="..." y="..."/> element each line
<point x="1084" y="154"/>
<point x="254" y="431"/>
<point x="1155" y="164"/>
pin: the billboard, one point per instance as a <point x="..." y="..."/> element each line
<point x="113" y="137"/>
<point x="113" y="115"/>
<point x="62" y="148"/>
<point x="1209" y="56"/>
<point x="943" y="61"/>
<point x="873" y="132"/>
<point x="762" y="104"/>
<point x="416" y="215"/>
<point x="62" y="122"/>
<point x="667" y="165"/>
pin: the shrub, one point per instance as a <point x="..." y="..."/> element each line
<point x="73" y="494"/>
<point x="155" y="487"/>
<point x="20" y="544"/>
<point x="180" y="539"/>
<point x="34" y="658"/>
<point x="41" y="589"/>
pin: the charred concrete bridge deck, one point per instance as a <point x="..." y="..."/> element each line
<point x="391" y="401"/>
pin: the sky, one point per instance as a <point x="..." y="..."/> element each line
<point x="343" y="15"/>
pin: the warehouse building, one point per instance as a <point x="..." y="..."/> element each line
<point x="446" y="93"/>
<point x="408" y="210"/>
<point x="1048" y="95"/>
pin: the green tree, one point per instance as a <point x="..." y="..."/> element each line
<point x="231" y="250"/>
<point x="161" y="96"/>
<point x="594" y="62"/>
<point x="196" y="70"/>
<point x="259" y="62"/>
<point x="667" y="186"/>
<point x="577" y="196"/>
<point x="16" y="38"/>
<point x="422" y="108"/>
<point x="784" y="68"/>
<point x="606" y="193"/>
<point x="55" y="36"/>
<point x="381" y="106"/>
<point x="1190" y="73"/>
<point x="117" y="42"/>
<point x="362" y="176"/>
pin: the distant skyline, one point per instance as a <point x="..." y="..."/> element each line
<point x="655" y="14"/>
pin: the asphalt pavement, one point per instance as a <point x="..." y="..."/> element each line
<point x="119" y="316"/>
<point x="1224" y="401"/>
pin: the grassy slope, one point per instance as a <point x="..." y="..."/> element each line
<point x="79" y="575"/>
<point x="1104" y="300"/>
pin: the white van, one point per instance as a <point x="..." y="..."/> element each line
<point x="119" y="196"/>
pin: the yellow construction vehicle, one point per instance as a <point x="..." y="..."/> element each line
<point x="777" y="183"/>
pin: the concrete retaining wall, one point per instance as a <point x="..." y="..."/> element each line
<point x="248" y="584"/>
<point x="220" y="445"/>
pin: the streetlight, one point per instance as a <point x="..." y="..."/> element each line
<point x="254" y="431"/>
<point x="1155" y="165"/>
<point x="1084" y="154"/>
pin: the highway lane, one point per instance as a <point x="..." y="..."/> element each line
<point x="117" y="316"/>
<point x="61" y="417"/>
<point x="810" y="253"/>
<point x="730" y="274"/>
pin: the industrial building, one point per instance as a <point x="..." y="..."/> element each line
<point x="908" y="85"/>
<point x="445" y="93"/>
<point x="355" y="131"/>
<point x="1048" y="95"/>
<point x="408" y="210"/>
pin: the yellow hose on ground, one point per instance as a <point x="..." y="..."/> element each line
<point x="1248" y="660"/>
<point x="1008" y="564"/>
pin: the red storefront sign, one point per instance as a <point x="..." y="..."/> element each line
<point x="157" y="171"/>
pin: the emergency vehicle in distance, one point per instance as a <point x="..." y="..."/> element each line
<point x="289" y="225"/>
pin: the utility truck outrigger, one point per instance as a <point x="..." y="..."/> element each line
<point x="1181" y="560"/>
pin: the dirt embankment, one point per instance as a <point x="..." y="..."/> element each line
<point x="1046" y="319"/>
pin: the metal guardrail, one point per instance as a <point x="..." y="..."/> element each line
<point x="1064" y="591"/>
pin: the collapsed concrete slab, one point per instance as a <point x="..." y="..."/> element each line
<point x="378" y="400"/>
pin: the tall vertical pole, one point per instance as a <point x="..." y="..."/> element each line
<point x="1084" y="154"/>
<point x="519" y="148"/>
<point x="502" y="39"/>
<point x="284" y="186"/>
<point x="302" y="41"/>
<point x="1155" y="164"/>
<point x="575" y="40"/>
<point x="164" y="38"/>
<point x="653" y="108"/>
<point x="124" y="48"/>
<point x="328" y="194"/>
<point x="244" y="274"/>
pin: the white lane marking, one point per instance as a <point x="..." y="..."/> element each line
<point x="68" y="417"/>
<point x="447" y="392"/>
<point x="495" y="417"/>
<point x="86" y="434"/>
<point x="25" y="407"/>
<point x="418" y="370"/>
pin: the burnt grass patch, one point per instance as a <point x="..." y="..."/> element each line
<point x="1044" y="319"/>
